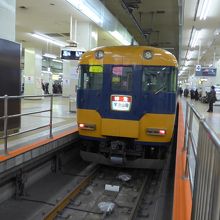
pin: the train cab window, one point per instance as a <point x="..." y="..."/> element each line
<point x="157" y="79"/>
<point x="122" y="78"/>
<point x="90" y="77"/>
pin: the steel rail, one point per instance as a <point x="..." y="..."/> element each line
<point x="67" y="199"/>
<point x="138" y="200"/>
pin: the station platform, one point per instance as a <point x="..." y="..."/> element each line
<point x="183" y="189"/>
<point x="63" y="120"/>
<point x="212" y="119"/>
<point x="24" y="147"/>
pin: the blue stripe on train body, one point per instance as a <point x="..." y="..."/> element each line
<point x="142" y="102"/>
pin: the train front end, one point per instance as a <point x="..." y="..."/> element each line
<point x="126" y="105"/>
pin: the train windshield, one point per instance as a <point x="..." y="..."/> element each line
<point x="121" y="78"/>
<point x="157" y="79"/>
<point x="91" y="77"/>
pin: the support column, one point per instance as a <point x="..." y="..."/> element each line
<point x="70" y="78"/>
<point x="217" y="79"/>
<point x="7" y="19"/>
<point x="32" y="72"/>
<point x="85" y="34"/>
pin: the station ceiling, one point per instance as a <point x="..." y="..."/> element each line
<point x="167" y="24"/>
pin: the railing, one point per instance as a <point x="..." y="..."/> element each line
<point x="5" y="117"/>
<point x="202" y="165"/>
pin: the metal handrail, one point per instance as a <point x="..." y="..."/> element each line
<point x="205" y="184"/>
<point x="6" y="117"/>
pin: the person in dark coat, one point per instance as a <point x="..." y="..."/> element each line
<point x="186" y="92"/>
<point x="196" y="95"/>
<point x="192" y="94"/>
<point x="211" y="98"/>
<point x="180" y="91"/>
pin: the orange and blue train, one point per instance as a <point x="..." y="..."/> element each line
<point x="126" y="105"/>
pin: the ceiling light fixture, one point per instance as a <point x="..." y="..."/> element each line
<point x="58" y="61"/>
<point x="48" y="39"/>
<point x="86" y="9"/>
<point x="119" y="37"/>
<point x="48" y="55"/>
<point x="204" y="9"/>
<point x="189" y="55"/>
<point x="195" y="38"/>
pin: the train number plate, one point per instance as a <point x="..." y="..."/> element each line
<point x="121" y="102"/>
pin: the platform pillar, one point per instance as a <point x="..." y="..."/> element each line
<point x="7" y="19"/>
<point x="32" y="72"/>
<point x="217" y="79"/>
<point x="85" y="34"/>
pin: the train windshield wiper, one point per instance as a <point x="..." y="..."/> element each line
<point x="160" y="89"/>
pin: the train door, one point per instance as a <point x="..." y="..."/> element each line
<point x="120" y="92"/>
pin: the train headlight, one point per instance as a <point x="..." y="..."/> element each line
<point x="148" y="54"/>
<point x="99" y="54"/>
<point x="156" y="131"/>
<point x="84" y="126"/>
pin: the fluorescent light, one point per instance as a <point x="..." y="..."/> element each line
<point x="45" y="71"/>
<point x="86" y="10"/>
<point x="205" y="9"/>
<point x="119" y="37"/>
<point x="195" y="38"/>
<point x="189" y="55"/>
<point x="187" y="63"/>
<point x="48" y="55"/>
<point x="58" y="61"/>
<point x="48" y="39"/>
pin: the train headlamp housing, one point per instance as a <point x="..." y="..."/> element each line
<point x="147" y="54"/>
<point x="99" y="54"/>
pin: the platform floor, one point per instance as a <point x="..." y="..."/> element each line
<point x="63" y="120"/>
<point x="213" y="119"/>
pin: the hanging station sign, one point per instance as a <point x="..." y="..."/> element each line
<point x="205" y="71"/>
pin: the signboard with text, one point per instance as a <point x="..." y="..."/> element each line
<point x="206" y="71"/>
<point x="121" y="102"/>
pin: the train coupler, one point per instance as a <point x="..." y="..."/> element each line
<point x="117" y="152"/>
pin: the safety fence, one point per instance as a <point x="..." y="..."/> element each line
<point x="202" y="165"/>
<point x="6" y="117"/>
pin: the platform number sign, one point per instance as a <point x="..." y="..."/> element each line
<point x="121" y="102"/>
<point x="198" y="68"/>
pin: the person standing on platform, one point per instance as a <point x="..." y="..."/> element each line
<point x="180" y="91"/>
<point x="192" y="94"/>
<point x="196" y="95"/>
<point x="211" y="98"/>
<point x="185" y="92"/>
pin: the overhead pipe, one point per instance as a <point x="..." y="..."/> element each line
<point x="134" y="19"/>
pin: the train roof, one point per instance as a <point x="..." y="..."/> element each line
<point x="129" y="55"/>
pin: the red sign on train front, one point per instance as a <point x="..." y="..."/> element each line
<point x="121" y="102"/>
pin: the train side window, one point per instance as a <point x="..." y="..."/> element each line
<point x="122" y="78"/>
<point x="91" y="77"/>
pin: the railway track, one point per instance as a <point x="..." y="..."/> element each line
<point x="109" y="193"/>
